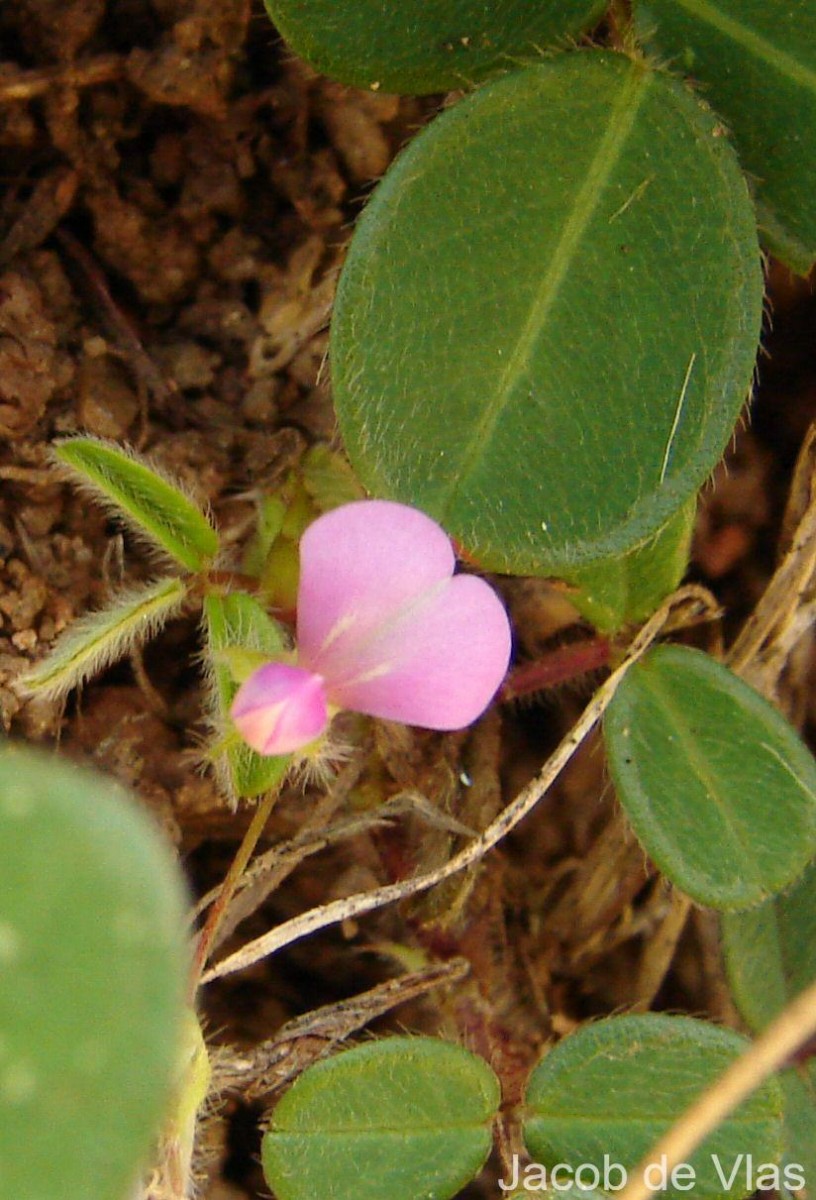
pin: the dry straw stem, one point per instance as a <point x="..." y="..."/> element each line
<point x="363" y="902"/>
<point x="785" y="610"/>
<point x="772" y="1049"/>
<point x="16" y="85"/>
<point x="659" y="955"/>
<point x="269" y="1066"/>
<point x="267" y="871"/>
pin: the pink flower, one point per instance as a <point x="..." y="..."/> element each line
<point x="384" y="627"/>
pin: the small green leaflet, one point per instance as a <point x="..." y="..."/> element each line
<point x="754" y="61"/>
<point x="770" y="951"/>
<point x="799" y="1089"/>
<point x="718" y="787"/>
<point x="506" y="349"/>
<point x="100" y="638"/>
<point x="93" y="919"/>
<point x="416" y="46"/>
<point x="151" y="505"/>
<point x="615" y="1086"/>
<point x="770" y="956"/>
<point x="403" y="1118"/>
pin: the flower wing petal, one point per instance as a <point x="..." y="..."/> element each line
<point x="360" y="564"/>
<point x="440" y="666"/>
<point x="280" y="708"/>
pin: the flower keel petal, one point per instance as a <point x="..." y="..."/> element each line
<point x="279" y="709"/>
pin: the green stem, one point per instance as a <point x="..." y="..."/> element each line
<point x="219" y="906"/>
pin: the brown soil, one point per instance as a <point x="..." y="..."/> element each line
<point x="177" y="195"/>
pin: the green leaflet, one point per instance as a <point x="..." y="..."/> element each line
<point x="546" y="325"/>
<point x="615" y="1086"/>
<point x="100" y="638"/>
<point x="770" y="951"/>
<point x="426" y="45"/>
<point x="770" y="956"/>
<point x="799" y="1090"/>
<point x="94" y="960"/>
<point x="238" y="621"/>
<point x="718" y="787"/>
<point x="755" y="63"/>
<point x="151" y="505"/>
<point x="406" y="1118"/>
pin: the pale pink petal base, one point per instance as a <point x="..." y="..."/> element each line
<point x="280" y="709"/>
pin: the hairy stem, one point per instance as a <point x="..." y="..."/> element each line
<point x="557" y="666"/>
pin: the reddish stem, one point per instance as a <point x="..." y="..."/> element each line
<point x="228" y="579"/>
<point x="557" y="666"/>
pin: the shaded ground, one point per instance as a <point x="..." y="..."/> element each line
<point x="176" y="196"/>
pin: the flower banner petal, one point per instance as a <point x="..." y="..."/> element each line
<point x="439" y="666"/>
<point x="360" y="564"/>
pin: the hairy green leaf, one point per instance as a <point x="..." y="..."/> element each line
<point x="755" y="62"/>
<point x="406" y="1118"/>
<point x="546" y="325"/>
<point x="426" y="45"/>
<point x="153" y="506"/>
<point x="718" y="787"/>
<point x="799" y="1089"/>
<point x="615" y="1086"/>
<point x="770" y="951"/>
<point x="98" y="639"/>
<point x="93" y="959"/>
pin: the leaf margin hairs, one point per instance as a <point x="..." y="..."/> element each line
<point x="98" y="639"/>
<point x="177" y="546"/>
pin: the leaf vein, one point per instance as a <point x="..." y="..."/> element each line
<point x="611" y="145"/>
<point x="752" y="41"/>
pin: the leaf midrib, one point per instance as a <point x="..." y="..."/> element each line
<point x="751" y="41"/>
<point x="621" y="119"/>
<point x="398" y="1129"/>
<point x="652" y="1120"/>
<point x="706" y="774"/>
